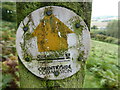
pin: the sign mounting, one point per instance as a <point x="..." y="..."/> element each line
<point x="51" y="41"/>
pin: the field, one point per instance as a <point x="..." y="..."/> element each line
<point x="102" y="66"/>
<point x="101" y="69"/>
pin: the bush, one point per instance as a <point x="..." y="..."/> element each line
<point x="94" y="27"/>
<point x="8" y="11"/>
<point x="98" y="31"/>
<point x="101" y="37"/>
<point x="110" y="40"/>
<point x="112" y="29"/>
<point x="104" y="38"/>
<point x="118" y="41"/>
<point x="10" y="73"/>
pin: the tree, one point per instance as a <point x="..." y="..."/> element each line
<point x="94" y="27"/>
<point x="112" y="28"/>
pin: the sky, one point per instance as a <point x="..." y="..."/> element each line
<point x="105" y="8"/>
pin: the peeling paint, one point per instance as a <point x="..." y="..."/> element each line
<point x="52" y="50"/>
<point x="74" y="81"/>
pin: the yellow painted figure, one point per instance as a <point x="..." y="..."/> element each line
<point x="51" y="34"/>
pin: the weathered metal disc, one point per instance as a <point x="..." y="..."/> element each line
<point x="51" y="41"/>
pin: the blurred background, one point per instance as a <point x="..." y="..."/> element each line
<point x="102" y="65"/>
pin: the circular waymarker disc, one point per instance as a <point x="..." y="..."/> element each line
<point x="52" y="41"/>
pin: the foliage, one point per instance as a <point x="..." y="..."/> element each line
<point x="112" y="29"/>
<point x="102" y="66"/>
<point x="10" y="73"/>
<point x="8" y="31"/>
<point x="9" y="57"/>
<point x="105" y="38"/>
<point x="101" y="69"/>
<point x="77" y="7"/>
<point x="6" y="79"/>
<point x="9" y="11"/>
<point x="111" y="40"/>
<point x="98" y="31"/>
<point x="94" y="27"/>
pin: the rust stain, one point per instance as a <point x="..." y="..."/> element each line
<point x="51" y="34"/>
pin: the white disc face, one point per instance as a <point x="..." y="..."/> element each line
<point x="51" y="41"/>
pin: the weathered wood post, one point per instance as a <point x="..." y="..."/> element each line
<point x="52" y="43"/>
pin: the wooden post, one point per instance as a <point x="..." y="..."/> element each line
<point x="27" y="79"/>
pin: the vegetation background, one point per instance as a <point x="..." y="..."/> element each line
<point x="102" y="69"/>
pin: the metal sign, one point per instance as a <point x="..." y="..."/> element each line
<point x="51" y="41"/>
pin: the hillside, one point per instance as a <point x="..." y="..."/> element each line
<point x="102" y="66"/>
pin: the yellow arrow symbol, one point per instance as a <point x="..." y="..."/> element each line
<point x="51" y="34"/>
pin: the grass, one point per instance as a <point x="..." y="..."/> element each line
<point x="7" y="30"/>
<point x="102" y="66"/>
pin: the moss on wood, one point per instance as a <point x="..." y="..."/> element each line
<point x="27" y="79"/>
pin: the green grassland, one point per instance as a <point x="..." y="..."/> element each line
<point x="101" y="69"/>
<point x="102" y="66"/>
